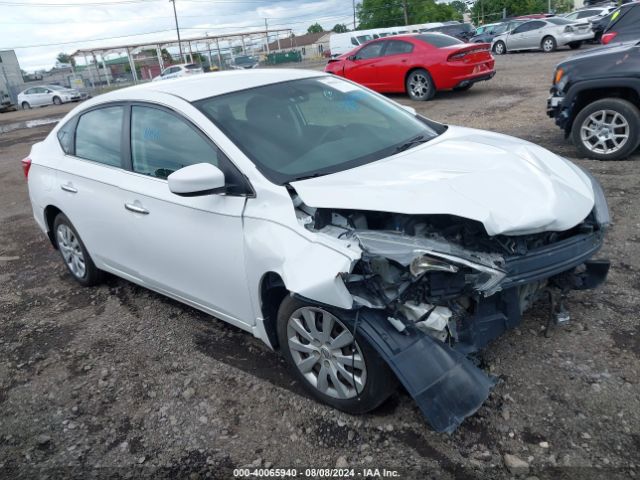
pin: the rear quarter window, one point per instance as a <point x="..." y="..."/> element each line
<point x="437" y="40"/>
<point x="65" y="136"/>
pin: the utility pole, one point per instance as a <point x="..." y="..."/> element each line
<point x="406" y="15"/>
<point x="354" y="13"/>
<point x="175" y="15"/>
<point x="549" y="11"/>
<point x="266" y="32"/>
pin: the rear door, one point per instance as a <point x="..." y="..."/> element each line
<point x="393" y="65"/>
<point x="88" y="180"/>
<point x="525" y="36"/>
<point x="362" y="67"/>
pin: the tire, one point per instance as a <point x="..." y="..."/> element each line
<point x="26" y="106"/>
<point x="575" y="45"/>
<point x="463" y="89"/>
<point x="548" y="44"/>
<point x="419" y="85"/>
<point x="57" y="101"/>
<point x="74" y="253"/>
<point x="500" y="48"/>
<point x="355" y="391"/>
<point x="594" y="130"/>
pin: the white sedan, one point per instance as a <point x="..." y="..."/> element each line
<point x="177" y="71"/>
<point x="368" y="244"/>
<point x="544" y="34"/>
<point x="47" y="95"/>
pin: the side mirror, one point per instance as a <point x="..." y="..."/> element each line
<point x="409" y="109"/>
<point x="195" y="180"/>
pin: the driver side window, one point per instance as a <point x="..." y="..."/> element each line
<point x="162" y="143"/>
<point x="370" y="51"/>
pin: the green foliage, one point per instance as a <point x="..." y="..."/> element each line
<point x="487" y="11"/>
<point x="340" y="28"/>
<point x="315" y="28"/>
<point x="66" y="58"/>
<point x="459" y="6"/>
<point x="390" y="13"/>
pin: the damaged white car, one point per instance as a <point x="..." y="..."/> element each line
<point x="368" y="244"/>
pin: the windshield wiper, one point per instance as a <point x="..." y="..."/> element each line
<point x="306" y="177"/>
<point x="412" y="143"/>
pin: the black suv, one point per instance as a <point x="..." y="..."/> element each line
<point x="624" y="25"/>
<point x="595" y="99"/>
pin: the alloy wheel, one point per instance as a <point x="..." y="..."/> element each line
<point x="499" y="48"/>
<point x="604" y="132"/>
<point x="71" y="251"/>
<point x="325" y="352"/>
<point x="547" y="45"/>
<point x="419" y="85"/>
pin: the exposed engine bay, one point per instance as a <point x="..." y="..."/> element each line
<point x="429" y="271"/>
<point x="432" y="289"/>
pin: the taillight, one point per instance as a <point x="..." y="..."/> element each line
<point x="26" y="165"/>
<point x="608" y="37"/>
<point x="461" y="55"/>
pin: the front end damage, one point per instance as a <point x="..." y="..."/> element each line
<point x="430" y="290"/>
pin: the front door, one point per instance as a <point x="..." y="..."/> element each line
<point x="362" y="68"/>
<point x="188" y="247"/>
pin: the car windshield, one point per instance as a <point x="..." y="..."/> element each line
<point x="438" y="40"/>
<point x="559" y="21"/>
<point x="314" y="126"/>
<point x="364" y="38"/>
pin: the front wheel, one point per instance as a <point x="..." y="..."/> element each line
<point x="419" y="85"/>
<point x="336" y="368"/>
<point x="75" y="255"/>
<point x="608" y="129"/>
<point x="57" y="101"/>
<point x="500" y="48"/>
<point x="549" y="44"/>
<point x="575" y="45"/>
<point x="26" y="106"/>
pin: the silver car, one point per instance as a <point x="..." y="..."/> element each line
<point x="47" y="95"/>
<point x="543" y="34"/>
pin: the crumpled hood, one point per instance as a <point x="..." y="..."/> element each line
<point x="509" y="185"/>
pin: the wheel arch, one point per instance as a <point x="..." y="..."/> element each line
<point x="272" y="292"/>
<point x="50" y="214"/>
<point x="583" y="97"/>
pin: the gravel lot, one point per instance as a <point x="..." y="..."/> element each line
<point x="119" y="381"/>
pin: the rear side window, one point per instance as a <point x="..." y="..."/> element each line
<point x="162" y="143"/>
<point x="438" y="40"/>
<point x="631" y="17"/>
<point x="397" y="47"/>
<point x="99" y="136"/>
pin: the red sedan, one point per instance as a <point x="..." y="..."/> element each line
<point x="417" y="64"/>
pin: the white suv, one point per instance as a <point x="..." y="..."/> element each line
<point x="368" y="244"/>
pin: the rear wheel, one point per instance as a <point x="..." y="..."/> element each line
<point x="608" y="129"/>
<point x="500" y="48"/>
<point x="74" y="253"/>
<point x="419" y="85"/>
<point x="57" y="101"/>
<point x="26" y="106"/>
<point x="336" y="368"/>
<point x="548" y="44"/>
<point x="575" y="45"/>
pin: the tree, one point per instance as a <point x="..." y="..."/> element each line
<point x="315" y="28"/>
<point x="459" y="6"/>
<point x="486" y="11"/>
<point x="390" y="13"/>
<point x="339" y="28"/>
<point x="66" y="58"/>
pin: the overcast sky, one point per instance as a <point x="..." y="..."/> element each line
<point x="92" y="23"/>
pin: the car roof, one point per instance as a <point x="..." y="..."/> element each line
<point x="205" y="85"/>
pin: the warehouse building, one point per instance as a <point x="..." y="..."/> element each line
<point x="11" y="81"/>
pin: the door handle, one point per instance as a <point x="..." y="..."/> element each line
<point x="69" y="188"/>
<point x="136" y="208"/>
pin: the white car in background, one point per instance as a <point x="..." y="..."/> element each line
<point x="589" y="13"/>
<point x="544" y="34"/>
<point x="47" y="95"/>
<point x="177" y="71"/>
<point x="368" y="244"/>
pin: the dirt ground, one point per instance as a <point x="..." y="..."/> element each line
<point x="117" y="381"/>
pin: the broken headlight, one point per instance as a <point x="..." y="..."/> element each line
<point x="427" y="263"/>
<point x="601" y="208"/>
